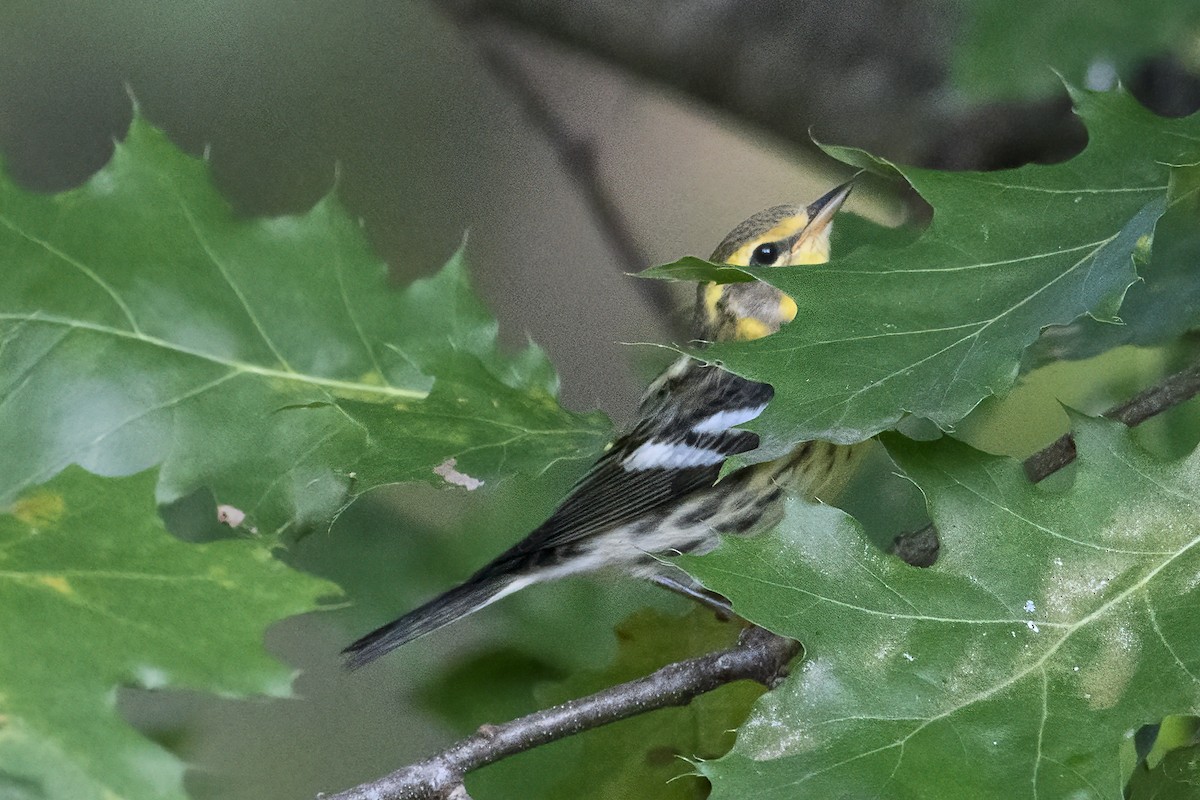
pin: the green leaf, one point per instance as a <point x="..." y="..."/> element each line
<point x="1053" y="625"/>
<point x="934" y="327"/>
<point x="1011" y="48"/>
<point x="690" y="268"/>
<point x="1176" y="777"/>
<point x="98" y="594"/>
<point x="143" y="324"/>
<point x="262" y="363"/>
<point x="1161" y="306"/>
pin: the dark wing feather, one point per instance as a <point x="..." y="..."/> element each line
<point x="682" y="410"/>
<point x="611" y="494"/>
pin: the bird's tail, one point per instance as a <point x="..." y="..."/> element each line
<point x="478" y="591"/>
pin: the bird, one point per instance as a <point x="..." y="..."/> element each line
<point x="656" y="490"/>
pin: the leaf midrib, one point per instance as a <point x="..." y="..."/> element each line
<point x="383" y="392"/>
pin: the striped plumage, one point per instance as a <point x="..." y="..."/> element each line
<point x="654" y="492"/>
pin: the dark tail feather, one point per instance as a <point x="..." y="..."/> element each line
<point x="460" y="601"/>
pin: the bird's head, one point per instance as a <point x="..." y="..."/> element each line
<point x="781" y="236"/>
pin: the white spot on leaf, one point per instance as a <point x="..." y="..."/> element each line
<point x="1101" y="75"/>
<point x="447" y="471"/>
<point x="230" y="515"/>
<point x="151" y="677"/>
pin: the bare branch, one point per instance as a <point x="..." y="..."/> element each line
<point x="759" y="656"/>
<point x="778" y="64"/>
<point x="1176" y="389"/>
<point x="920" y="547"/>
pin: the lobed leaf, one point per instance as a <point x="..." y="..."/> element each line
<point x="932" y="328"/>
<point x="143" y="324"/>
<point x="1162" y="305"/>
<point x="1053" y="626"/>
<point x="97" y="595"/>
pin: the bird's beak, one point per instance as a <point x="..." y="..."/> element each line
<point x="821" y="211"/>
<point x="811" y="245"/>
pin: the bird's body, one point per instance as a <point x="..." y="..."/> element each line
<point x="654" y="492"/>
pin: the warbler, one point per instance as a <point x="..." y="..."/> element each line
<point x="655" y="491"/>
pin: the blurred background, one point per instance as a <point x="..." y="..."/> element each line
<point x="571" y="143"/>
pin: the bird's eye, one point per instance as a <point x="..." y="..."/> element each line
<point x="764" y="255"/>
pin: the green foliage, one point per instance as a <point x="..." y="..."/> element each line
<point x="143" y="325"/>
<point x="934" y="327"/>
<point x="98" y="594"/>
<point x="258" y="358"/>
<point x="1011" y="48"/>
<point x="173" y="351"/>
<point x="1162" y="305"/>
<point x="1053" y="623"/>
<point x="1176" y="776"/>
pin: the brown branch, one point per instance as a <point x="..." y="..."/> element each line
<point x="759" y="656"/>
<point x="1172" y="391"/>
<point x="576" y="154"/>
<point x="920" y="548"/>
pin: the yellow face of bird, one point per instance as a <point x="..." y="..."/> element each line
<point x="778" y="237"/>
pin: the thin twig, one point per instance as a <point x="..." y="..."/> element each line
<point x="759" y="656"/>
<point x="1172" y="391"/>
<point x="920" y="548"/>
<point x="576" y="154"/>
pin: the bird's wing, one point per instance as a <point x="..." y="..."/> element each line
<point x="686" y="432"/>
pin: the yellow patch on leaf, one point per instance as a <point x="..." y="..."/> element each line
<point x="40" y="508"/>
<point x="56" y="582"/>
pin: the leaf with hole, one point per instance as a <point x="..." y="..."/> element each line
<point x="933" y="327"/>
<point x="1054" y="624"/>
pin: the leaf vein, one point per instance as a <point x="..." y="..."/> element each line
<point x="78" y="265"/>
<point x="333" y="384"/>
